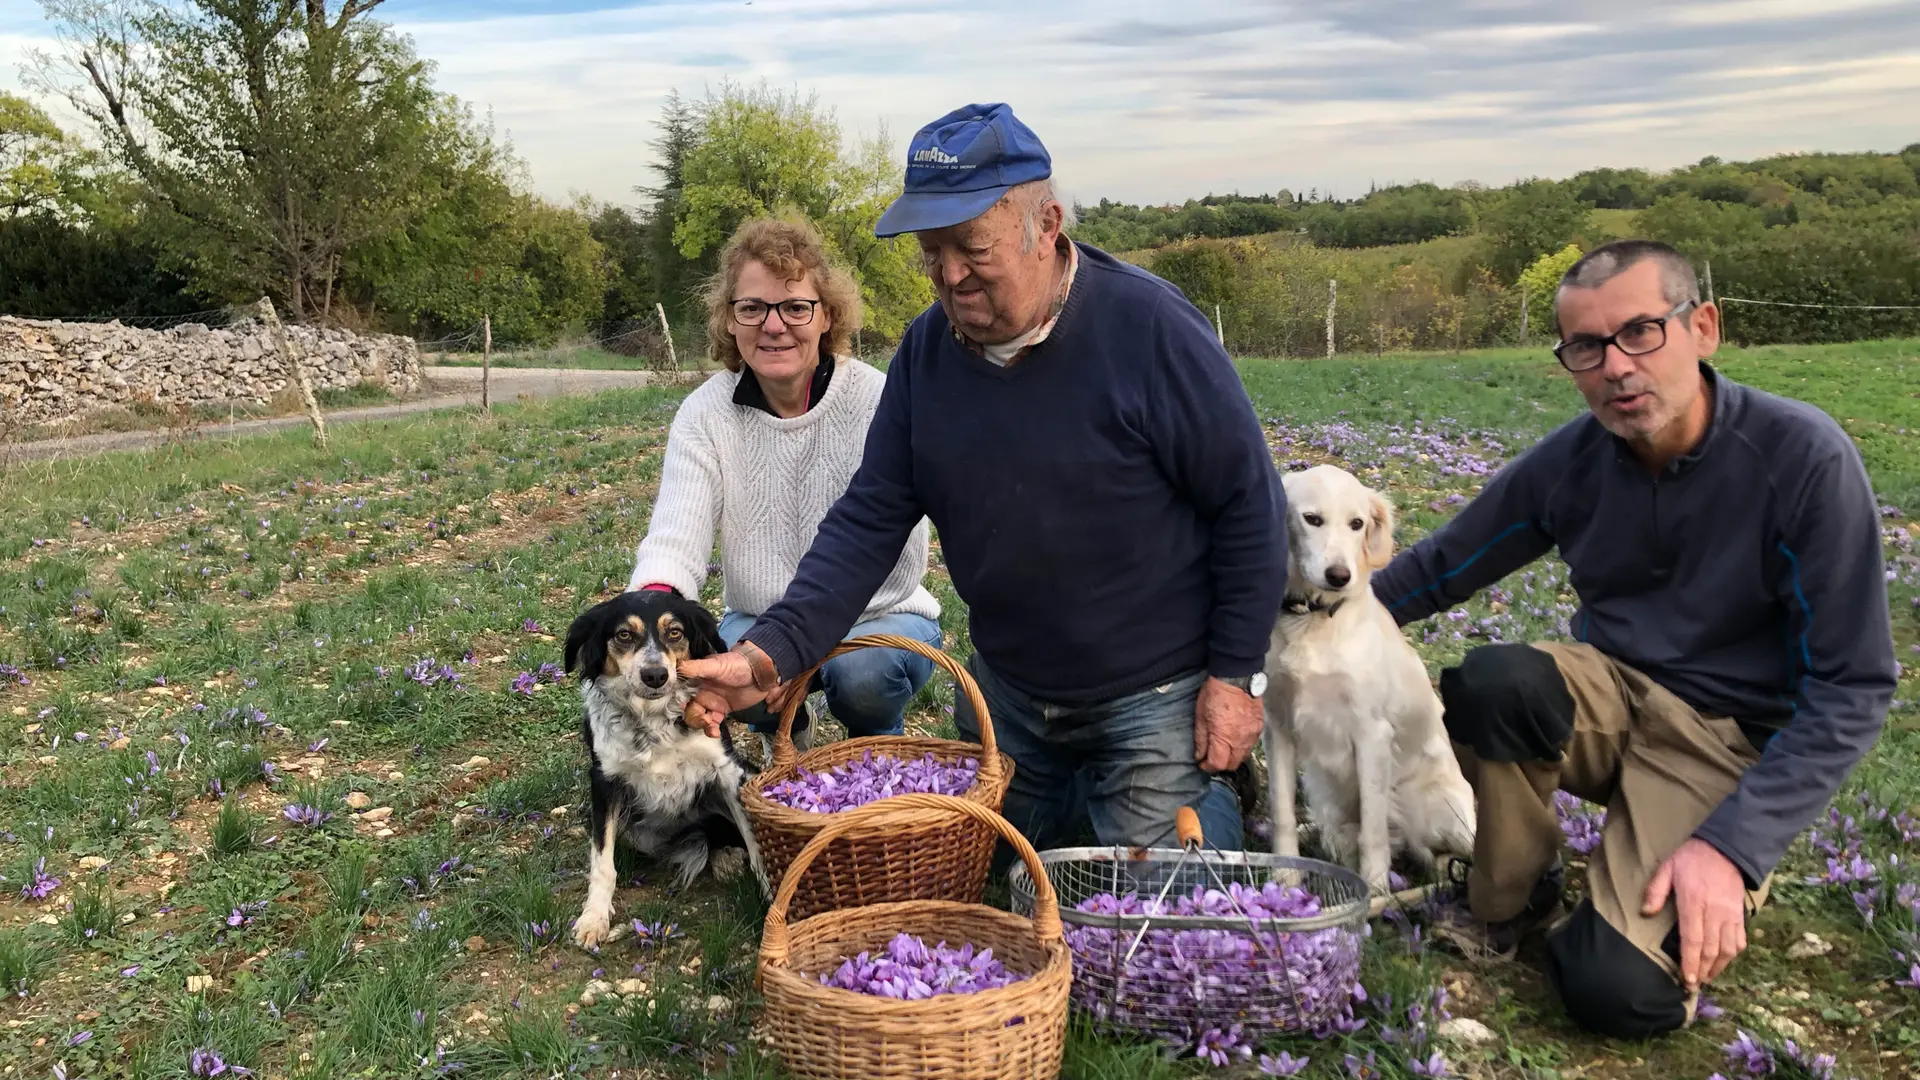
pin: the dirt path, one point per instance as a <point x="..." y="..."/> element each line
<point x="447" y="388"/>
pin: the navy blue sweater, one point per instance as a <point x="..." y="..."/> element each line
<point x="1107" y="505"/>
<point x="1747" y="577"/>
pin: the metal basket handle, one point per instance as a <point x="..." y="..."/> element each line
<point x="775" y="948"/>
<point x="784" y="753"/>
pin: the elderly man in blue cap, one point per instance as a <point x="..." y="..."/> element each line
<point x="1104" y="496"/>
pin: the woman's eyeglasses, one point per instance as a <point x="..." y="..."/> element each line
<point x="794" y="311"/>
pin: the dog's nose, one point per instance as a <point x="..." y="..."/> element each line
<point x="1338" y="576"/>
<point x="655" y="677"/>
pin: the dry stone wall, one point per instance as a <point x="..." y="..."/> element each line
<point x="52" y="371"/>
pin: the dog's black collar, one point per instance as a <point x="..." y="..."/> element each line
<point x="1300" y="605"/>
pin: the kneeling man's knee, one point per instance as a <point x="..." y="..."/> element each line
<point x="1507" y="703"/>
<point x="1608" y="986"/>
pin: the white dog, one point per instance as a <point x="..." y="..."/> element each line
<point x="1348" y="702"/>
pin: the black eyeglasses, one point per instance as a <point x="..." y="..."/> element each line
<point x="794" y="311"/>
<point x="1634" y="339"/>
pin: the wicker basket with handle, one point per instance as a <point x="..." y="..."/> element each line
<point x="930" y="858"/>
<point x="828" y="1033"/>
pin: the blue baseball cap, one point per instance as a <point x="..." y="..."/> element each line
<point x="960" y="165"/>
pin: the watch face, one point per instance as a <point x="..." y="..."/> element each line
<point x="1258" y="684"/>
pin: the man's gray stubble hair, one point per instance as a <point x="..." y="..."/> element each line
<point x="1678" y="282"/>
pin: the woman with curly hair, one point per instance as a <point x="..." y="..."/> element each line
<point x="760" y="452"/>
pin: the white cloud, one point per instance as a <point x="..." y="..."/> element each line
<point x="1150" y="101"/>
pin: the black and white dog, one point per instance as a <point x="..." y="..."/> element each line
<point x="669" y="790"/>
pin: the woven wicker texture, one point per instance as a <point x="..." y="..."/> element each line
<point x="936" y="857"/>
<point x="827" y="1033"/>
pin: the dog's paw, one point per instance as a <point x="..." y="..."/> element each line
<point x="728" y="863"/>
<point x="591" y="929"/>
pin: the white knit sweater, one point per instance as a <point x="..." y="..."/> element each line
<point x="766" y="482"/>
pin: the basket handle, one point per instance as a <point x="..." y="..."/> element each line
<point x="783" y="750"/>
<point x="900" y="810"/>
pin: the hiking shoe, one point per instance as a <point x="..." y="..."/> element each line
<point x="1478" y="939"/>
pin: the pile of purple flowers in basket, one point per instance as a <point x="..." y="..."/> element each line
<point x="912" y="970"/>
<point x="1180" y="982"/>
<point x="872" y="776"/>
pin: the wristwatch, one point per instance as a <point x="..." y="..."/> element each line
<point x="1255" y="684"/>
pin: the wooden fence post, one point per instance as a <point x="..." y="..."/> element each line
<point x="1709" y="281"/>
<point x="486" y="363"/>
<point x="299" y="375"/>
<point x="1333" y="300"/>
<point x="667" y="331"/>
<point x="1524" y="295"/>
<point x="1219" y="327"/>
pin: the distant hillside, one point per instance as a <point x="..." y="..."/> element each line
<point x="1424" y="266"/>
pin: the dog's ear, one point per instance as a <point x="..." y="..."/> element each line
<point x="1379" y="541"/>
<point x="703" y="630"/>
<point x="586" y="644"/>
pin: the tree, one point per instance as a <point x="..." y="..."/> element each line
<point x="674" y="277"/>
<point x="31" y="154"/>
<point x="476" y="246"/>
<point x="758" y="152"/>
<point x="1538" y="283"/>
<point x="275" y="135"/>
<point x="628" y="270"/>
<point x="1527" y="221"/>
<point x="744" y="153"/>
<point x="893" y="287"/>
<point x="1700" y="229"/>
<point x="1614" y="189"/>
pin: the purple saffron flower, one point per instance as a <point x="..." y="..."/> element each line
<point x="1283" y="1065"/>
<point x="43" y="883"/>
<point x="130" y="972"/>
<point x="311" y="817"/>
<point x="524" y="683"/>
<point x="1220" y="1047"/>
<point x="530" y="627"/>
<point x="655" y="933"/>
<point x="79" y="1038"/>
<point x="1756" y="1059"/>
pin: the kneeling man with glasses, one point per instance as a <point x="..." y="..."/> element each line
<point x="1730" y="662"/>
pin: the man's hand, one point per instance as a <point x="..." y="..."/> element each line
<point x="1226" y="724"/>
<point x="1710" y="899"/>
<point x="726" y="686"/>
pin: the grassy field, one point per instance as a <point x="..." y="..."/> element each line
<point x="588" y="357"/>
<point x="151" y="417"/>
<point x="291" y="778"/>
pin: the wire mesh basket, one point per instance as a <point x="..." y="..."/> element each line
<point x="1174" y="942"/>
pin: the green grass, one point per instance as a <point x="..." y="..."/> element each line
<point x="265" y="623"/>
<point x="582" y="357"/>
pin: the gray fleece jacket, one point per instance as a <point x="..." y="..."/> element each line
<point x="1747" y="577"/>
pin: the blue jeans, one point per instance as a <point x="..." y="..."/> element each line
<point x="1124" y="765"/>
<point x="868" y="691"/>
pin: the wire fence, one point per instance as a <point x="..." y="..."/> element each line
<point x="1302" y="320"/>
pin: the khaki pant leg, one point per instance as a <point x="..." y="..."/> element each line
<point x="1678" y="767"/>
<point x="1518" y="834"/>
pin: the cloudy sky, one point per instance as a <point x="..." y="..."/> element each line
<point x="1160" y="101"/>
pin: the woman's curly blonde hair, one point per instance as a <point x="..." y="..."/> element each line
<point x="789" y="249"/>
